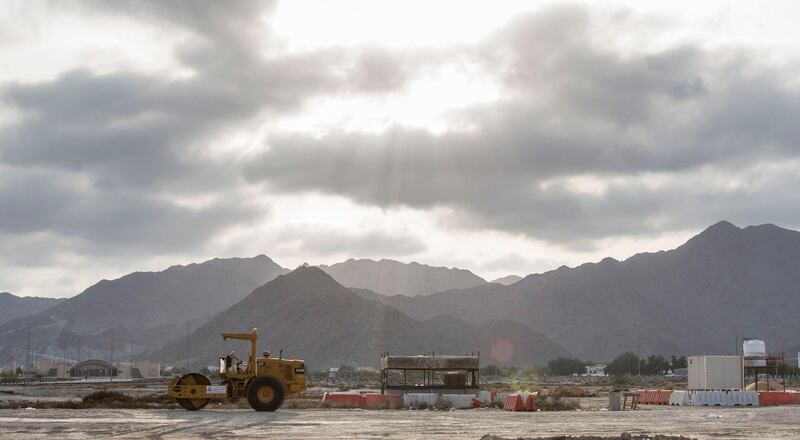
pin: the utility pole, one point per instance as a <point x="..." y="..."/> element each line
<point x="26" y="371"/>
<point x="639" y="344"/>
<point x="111" y="372"/>
<point x="78" y="361"/>
<point x="188" y="344"/>
<point x="130" y="344"/>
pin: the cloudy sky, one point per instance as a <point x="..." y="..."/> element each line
<point x="502" y="137"/>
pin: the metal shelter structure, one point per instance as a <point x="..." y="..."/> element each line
<point x="768" y="366"/>
<point x="93" y="368"/>
<point x="430" y="373"/>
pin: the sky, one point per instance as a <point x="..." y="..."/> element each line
<point x="501" y="137"/>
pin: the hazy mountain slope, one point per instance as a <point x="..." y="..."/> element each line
<point x="163" y="301"/>
<point x="12" y="306"/>
<point x="723" y="283"/>
<point x="389" y="277"/>
<point x="507" y="280"/>
<point x="326" y="324"/>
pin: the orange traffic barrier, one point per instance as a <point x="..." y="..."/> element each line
<point x="662" y="397"/>
<point x="383" y="401"/>
<point x="345" y="400"/>
<point x="778" y="398"/>
<point x="514" y="403"/>
<point x="531" y="404"/>
<point x="651" y="397"/>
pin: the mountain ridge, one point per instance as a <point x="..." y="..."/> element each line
<point x="341" y="327"/>
<point x="392" y="277"/>
<point x="653" y="300"/>
<point x="13" y="306"/>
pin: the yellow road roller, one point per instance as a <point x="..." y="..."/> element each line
<point x="263" y="381"/>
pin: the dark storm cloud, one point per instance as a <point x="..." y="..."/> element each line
<point x="574" y="108"/>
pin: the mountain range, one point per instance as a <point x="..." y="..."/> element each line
<point x="147" y="310"/>
<point x="390" y="277"/>
<point x="12" y="306"/>
<point x="317" y="319"/>
<point x="508" y="280"/>
<point x="722" y="285"/>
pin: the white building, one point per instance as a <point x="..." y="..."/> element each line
<point x="139" y="369"/>
<point x="596" y="370"/>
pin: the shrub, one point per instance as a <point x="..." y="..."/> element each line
<point x="106" y="398"/>
<point x="555" y="403"/>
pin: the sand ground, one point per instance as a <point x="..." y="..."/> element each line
<point x="701" y="423"/>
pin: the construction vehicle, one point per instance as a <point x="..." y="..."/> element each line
<point x="263" y="381"/>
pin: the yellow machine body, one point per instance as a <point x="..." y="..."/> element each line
<point x="263" y="381"/>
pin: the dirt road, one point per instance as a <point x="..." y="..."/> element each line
<point x="702" y="423"/>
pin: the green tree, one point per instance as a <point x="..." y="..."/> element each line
<point x="526" y="380"/>
<point x="626" y="363"/>
<point x="654" y="365"/>
<point x="345" y="371"/>
<point x="491" y="370"/>
<point x="564" y="366"/>
<point x="678" y="362"/>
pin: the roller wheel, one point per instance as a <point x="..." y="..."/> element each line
<point x="265" y="393"/>
<point x="193" y="379"/>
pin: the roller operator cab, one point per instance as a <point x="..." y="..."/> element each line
<point x="263" y="381"/>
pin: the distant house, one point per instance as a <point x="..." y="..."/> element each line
<point x="596" y="370"/>
<point x="680" y="372"/>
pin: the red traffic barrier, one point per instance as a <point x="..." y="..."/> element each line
<point x="531" y="404"/>
<point x="778" y="398"/>
<point x="651" y="397"/>
<point x="514" y="403"/>
<point x="476" y="403"/>
<point x="342" y="400"/>
<point x="662" y="397"/>
<point x="383" y="401"/>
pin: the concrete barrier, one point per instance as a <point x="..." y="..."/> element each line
<point x="725" y="398"/>
<point x="486" y="397"/>
<point x="708" y="398"/>
<point x="428" y="399"/>
<point x="743" y="398"/>
<point x="680" y="398"/>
